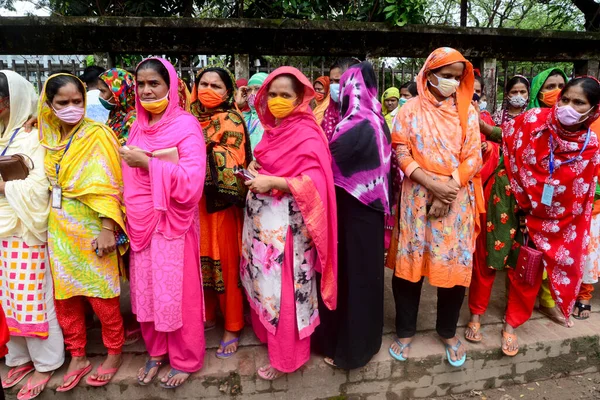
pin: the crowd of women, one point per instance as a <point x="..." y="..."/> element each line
<point x="288" y="192"/>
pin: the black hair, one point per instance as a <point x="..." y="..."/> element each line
<point x="157" y="67"/>
<point x="590" y="87"/>
<point x="479" y="79"/>
<point x="3" y="85"/>
<point x="91" y="75"/>
<point x="56" y="83"/>
<point x="297" y="86"/>
<point x="411" y="87"/>
<point x="344" y="63"/>
<point x="515" y="80"/>
<point x="225" y="77"/>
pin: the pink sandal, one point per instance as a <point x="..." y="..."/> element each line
<point x="19" y="373"/>
<point x="24" y="393"/>
<point x="101" y="371"/>
<point x="79" y="374"/>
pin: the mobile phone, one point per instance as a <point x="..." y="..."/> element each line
<point x="242" y="173"/>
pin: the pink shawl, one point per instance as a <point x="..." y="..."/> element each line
<point x="307" y="169"/>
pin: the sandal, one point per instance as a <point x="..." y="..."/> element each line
<point x="172" y="373"/>
<point x="18" y="373"/>
<point x="24" y="393"/>
<point x="457" y="363"/>
<point x="474" y="327"/>
<point x="580" y="308"/>
<point x="262" y="373"/>
<point x="221" y="354"/>
<point x="209" y="326"/>
<point x="560" y="320"/>
<point x="95" y="382"/>
<point x="149" y="365"/>
<point x="78" y="374"/>
<point x="508" y="339"/>
<point x="132" y="336"/>
<point x="402" y="346"/>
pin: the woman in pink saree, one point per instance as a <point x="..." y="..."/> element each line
<point x="290" y="225"/>
<point x="161" y="195"/>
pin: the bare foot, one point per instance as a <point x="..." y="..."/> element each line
<point x="77" y="363"/>
<point x="405" y="341"/>
<point x="462" y="350"/>
<point x="227" y="337"/>
<point x="36" y="378"/>
<point x="176" y="379"/>
<point x="147" y="378"/>
<point x="557" y="316"/>
<point x="473" y="331"/>
<point x="268" y="373"/>
<point x="112" y="361"/>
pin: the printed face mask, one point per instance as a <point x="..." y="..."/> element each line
<point x="156" y="106"/>
<point x="70" y="115"/>
<point x="568" y="116"/>
<point x="517" y="101"/>
<point x="446" y="87"/>
<point x="251" y="100"/>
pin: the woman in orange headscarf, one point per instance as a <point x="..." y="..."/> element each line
<point x="438" y="147"/>
<point x="322" y="98"/>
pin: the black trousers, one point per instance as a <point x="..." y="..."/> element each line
<point x="407" y="296"/>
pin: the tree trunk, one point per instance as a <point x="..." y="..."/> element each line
<point x="591" y="11"/>
<point x="463" y="12"/>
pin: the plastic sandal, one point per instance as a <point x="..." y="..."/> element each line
<point x="262" y="373"/>
<point x="24" y="393"/>
<point x="149" y="365"/>
<point x="101" y="371"/>
<point x="457" y="363"/>
<point x="221" y="354"/>
<point x="173" y="373"/>
<point x="474" y="327"/>
<point x="580" y="308"/>
<point x="79" y="374"/>
<point x="402" y="346"/>
<point x="19" y="373"/>
<point x="509" y="338"/>
<point x="132" y="336"/>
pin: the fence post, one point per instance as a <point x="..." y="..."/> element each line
<point x="488" y="73"/>
<point x="38" y="73"/>
<point x="242" y="66"/>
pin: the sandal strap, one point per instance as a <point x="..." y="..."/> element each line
<point x="402" y="345"/>
<point x="152" y="364"/>
<point x="232" y="341"/>
<point x="175" y="372"/>
<point x="455" y="347"/>
<point x="583" y="307"/>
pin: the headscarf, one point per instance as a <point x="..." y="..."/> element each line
<point x="227" y="146"/>
<point x="392" y="92"/>
<point x="90" y="170"/>
<point x="24" y="207"/>
<point x="538" y="82"/>
<point x="257" y="79"/>
<point x="319" y="110"/>
<point x="561" y="231"/>
<point x="307" y="169"/>
<point x="255" y="129"/>
<point x="361" y="143"/>
<point x="122" y="86"/>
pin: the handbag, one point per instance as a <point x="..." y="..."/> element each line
<point x="14" y="167"/>
<point x="529" y="264"/>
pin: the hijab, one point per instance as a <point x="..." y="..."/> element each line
<point x="538" y="83"/>
<point x="122" y="86"/>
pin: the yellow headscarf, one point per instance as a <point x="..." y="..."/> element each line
<point x="90" y="171"/>
<point x="388" y="94"/>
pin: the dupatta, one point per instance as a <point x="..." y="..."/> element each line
<point x="322" y="106"/>
<point x="307" y="170"/>
<point x="122" y="86"/>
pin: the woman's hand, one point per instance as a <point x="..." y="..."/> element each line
<point x="31" y="122"/>
<point x="241" y="96"/>
<point x="445" y="192"/>
<point x="260" y="184"/>
<point x="484" y="147"/>
<point x="105" y="242"/>
<point x="134" y="157"/>
<point x="254" y="167"/>
<point x="2" y="187"/>
<point x="438" y="209"/>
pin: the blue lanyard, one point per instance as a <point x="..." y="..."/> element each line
<point x="63" y="156"/>
<point x="570" y="160"/>
<point x="10" y="141"/>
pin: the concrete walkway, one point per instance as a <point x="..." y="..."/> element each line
<point x="547" y="350"/>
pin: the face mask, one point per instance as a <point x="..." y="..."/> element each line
<point x="209" y="98"/>
<point x="251" y="100"/>
<point x="402" y="101"/>
<point x="446" y="87"/>
<point x="319" y="96"/>
<point x="70" y="115"/>
<point x="334" y="90"/>
<point x="156" y="106"/>
<point x="106" y="104"/>
<point x="280" y="107"/>
<point x="568" y="116"/>
<point x="549" y="98"/>
<point x="482" y="105"/>
<point x="517" y="101"/>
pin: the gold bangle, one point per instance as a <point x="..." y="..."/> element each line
<point x="108" y="229"/>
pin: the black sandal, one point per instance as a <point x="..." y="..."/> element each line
<point x="580" y="308"/>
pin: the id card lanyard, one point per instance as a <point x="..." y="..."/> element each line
<point x="10" y="141"/>
<point x="548" y="192"/>
<point x="56" y="189"/>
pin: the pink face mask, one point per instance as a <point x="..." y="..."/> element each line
<point x="568" y="116"/>
<point x="70" y="115"/>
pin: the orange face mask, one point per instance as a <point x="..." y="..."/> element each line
<point x="319" y="96"/>
<point x="280" y="107"/>
<point x="209" y="98"/>
<point x="549" y="98"/>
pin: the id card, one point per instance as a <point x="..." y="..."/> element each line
<point x="547" y="195"/>
<point x="56" y="197"/>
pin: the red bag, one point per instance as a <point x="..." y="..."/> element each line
<point x="529" y="264"/>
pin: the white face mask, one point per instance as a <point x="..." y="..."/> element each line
<point x="482" y="105"/>
<point x="446" y="87"/>
<point x="517" y="101"/>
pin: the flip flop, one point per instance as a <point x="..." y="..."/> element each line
<point x="19" y="373"/>
<point x="457" y="363"/>
<point x="78" y="374"/>
<point x="396" y="356"/>
<point x="101" y="371"/>
<point x="221" y="354"/>
<point x="509" y="338"/>
<point x="474" y="327"/>
<point x="262" y="373"/>
<point x="149" y="365"/>
<point x="210" y="327"/>
<point x="173" y="373"/>
<point x="132" y="336"/>
<point x="25" y="390"/>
